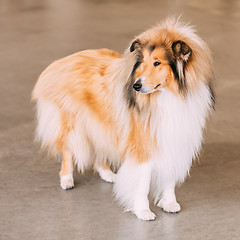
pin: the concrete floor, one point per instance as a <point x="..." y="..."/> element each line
<point x="32" y="205"/>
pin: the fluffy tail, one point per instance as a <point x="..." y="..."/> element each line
<point x="48" y="125"/>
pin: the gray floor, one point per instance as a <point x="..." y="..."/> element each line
<point x="32" y="205"/>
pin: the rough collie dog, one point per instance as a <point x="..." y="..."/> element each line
<point x="142" y="112"/>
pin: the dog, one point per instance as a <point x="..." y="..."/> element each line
<point x="142" y="112"/>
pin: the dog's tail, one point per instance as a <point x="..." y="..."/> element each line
<point x="48" y="125"/>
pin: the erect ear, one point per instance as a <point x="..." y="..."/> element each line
<point x="135" y="44"/>
<point x="181" y="51"/>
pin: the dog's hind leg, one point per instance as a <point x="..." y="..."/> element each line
<point x="106" y="173"/>
<point x="66" y="173"/>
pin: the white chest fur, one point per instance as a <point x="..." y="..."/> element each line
<point x="178" y="124"/>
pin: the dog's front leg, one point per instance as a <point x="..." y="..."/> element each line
<point x="141" y="203"/>
<point x="168" y="201"/>
<point x="132" y="188"/>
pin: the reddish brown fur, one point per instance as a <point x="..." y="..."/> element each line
<point x="161" y="74"/>
<point x="140" y="144"/>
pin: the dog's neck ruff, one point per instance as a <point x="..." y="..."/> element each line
<point x="177" y="121"/>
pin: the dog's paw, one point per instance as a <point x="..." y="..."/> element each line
<point x="66" y="182"/>
<point x="107" y="175"/>
<point x="146" y="215"/>
<point x="172" y="207"/>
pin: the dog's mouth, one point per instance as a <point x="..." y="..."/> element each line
<point x="147" y="91"/>
<point x="139" y="87"/>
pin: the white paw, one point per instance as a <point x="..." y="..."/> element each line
<point x="107" y="175"/>
<point x="172" y="207"/>
<point x="66" y="182"/>
<point x="146" y="215"/>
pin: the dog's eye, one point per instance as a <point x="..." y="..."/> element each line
<point x="156" y="63"/>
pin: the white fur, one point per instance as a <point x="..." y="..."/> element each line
<point x="180" y="69"/>
<point x="168" y="201"/>
<point x="80" y="147"/>
<point x="66" y="181"/>
<point x="132" y="187"/>
<point x="107" y="175"/>
<point x="177" y="124"/>
<point x="90" y="143"/>
<point x="49" y="122"/>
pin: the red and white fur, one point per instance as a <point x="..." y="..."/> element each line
<point x="142" y="112"/>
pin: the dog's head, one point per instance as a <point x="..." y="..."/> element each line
<point x="160" y="64"/>
<point x="170" y="55"/>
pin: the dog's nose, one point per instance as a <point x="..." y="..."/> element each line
<point x="137" y="85"/>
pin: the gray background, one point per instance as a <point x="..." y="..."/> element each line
<point x="32" y="205"/>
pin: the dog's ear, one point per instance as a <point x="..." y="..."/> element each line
<point x="181" y="51"/>
<point x="135" y="44"/>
